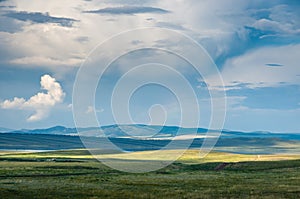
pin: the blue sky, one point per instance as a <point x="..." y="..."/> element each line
<point x="255" y="45"/>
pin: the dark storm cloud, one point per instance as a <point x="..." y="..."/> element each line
<point x="274" y="65"/>
<point x="127" y="10"/>
<point x="38" y="17"/>
<point x="7" y="6"/>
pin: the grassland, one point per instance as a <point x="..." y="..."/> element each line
<point x="76" y="174"/>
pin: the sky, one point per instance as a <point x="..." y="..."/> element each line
<point x="253" y="44"/>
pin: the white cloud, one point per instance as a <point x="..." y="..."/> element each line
<point x="91" y="109"/>
<point x="56" y="47"/>
<point x="254" y="69"/>
<point x="41" y="102"/>
<point x="217" y="25"/>
<point x="274" y="26"/>
<point x="15" y="103"/>
<point x="48" y="44"/>
<point x="39" y="60"/>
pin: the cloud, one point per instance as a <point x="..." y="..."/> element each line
<point x="91" y="109"/>
<point x="7" y="6"/>
<point x="275" y="65"/>
<point x="220" y="27"/>
<point x="249" y="71"/>
<point x="128" y="10"/>
<point x="10" y="25"/>
<point x="41" y="102"/>
<point x="169" y="25"/>
<point x="38" y="17"/>
<point x="47" y="61"/>
<point x="223" y="28"/>
<point x="271" y="26"/>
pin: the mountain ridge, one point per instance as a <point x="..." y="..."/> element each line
<point x="148" y="131"/>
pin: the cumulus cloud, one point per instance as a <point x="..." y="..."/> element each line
<point x="128" y="10"/>
<point x="41" y="102"/>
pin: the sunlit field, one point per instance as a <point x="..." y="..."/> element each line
<point x="76" y="174"/>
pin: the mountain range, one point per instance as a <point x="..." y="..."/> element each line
<point x="141" y="137"/>
<point x="141" y="131"/>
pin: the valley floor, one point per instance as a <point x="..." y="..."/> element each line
<point x="75" y="174"/>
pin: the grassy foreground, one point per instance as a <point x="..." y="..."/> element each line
<point x="75" y="174"/>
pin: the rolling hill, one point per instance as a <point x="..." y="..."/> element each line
<point x="144" y="137"/>
<point x="4" y="130"/>
<point x="140" y="131"/>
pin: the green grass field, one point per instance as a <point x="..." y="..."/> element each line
<point x="75" y="174"/>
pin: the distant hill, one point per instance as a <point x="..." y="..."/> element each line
<point x="4" y="130"/>
<point x="146" y="137"/>
<point x="113" y="131"/>
<point x="141" y="131"/>
<point x="56" y="130"/>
